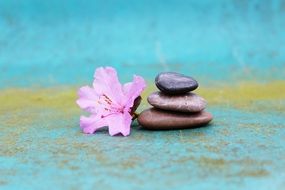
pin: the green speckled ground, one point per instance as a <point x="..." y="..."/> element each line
<point x="243" y="147"/>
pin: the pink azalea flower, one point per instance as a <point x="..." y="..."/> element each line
<point x="109" y="102"/>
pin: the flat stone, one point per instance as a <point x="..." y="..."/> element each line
<point x="175" y="83"/>
<point x="156" y="119"/>
<point x="188" y="102"/>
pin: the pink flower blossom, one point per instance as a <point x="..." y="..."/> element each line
<point x="109" y="102"/>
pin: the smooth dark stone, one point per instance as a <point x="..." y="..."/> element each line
<point x="164" y="120"/>
<point x="188" y="102"/>
<point x="175" y="83"/>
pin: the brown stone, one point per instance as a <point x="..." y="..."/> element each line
<point x="188" y="102"/>
<point x="158" y="119"/>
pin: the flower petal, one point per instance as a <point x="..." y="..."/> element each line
<point x="106" y="82"/>
<point x="119" y="123"/>
<point x="133" y="89"/>
<point x="87" y="98"/>
<point x="90" y="124"/>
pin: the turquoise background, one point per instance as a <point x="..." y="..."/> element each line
<point x="54" y="43"/>
<point x="62" y="42"/>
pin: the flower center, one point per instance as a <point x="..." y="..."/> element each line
<point x="108" y="105"/>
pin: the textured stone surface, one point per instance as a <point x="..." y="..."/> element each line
<point x="175" y="83"/>
<point x="158" y="119"/>
<point x="188" y="102"/>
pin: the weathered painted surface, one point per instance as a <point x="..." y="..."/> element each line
<point x="42" y="146"/>
<point x="233" y="48"/>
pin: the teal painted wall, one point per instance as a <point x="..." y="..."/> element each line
<point x="50" y="42"/>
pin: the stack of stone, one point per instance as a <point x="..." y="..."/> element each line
<point x="175" y="106"/>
